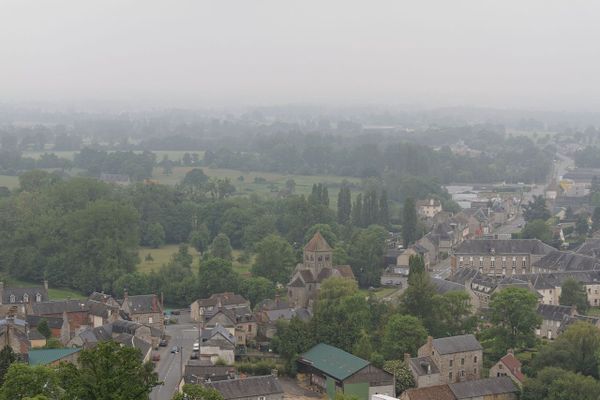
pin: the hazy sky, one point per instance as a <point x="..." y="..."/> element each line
<point x="539" y="54"/>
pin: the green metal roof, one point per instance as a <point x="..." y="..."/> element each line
<point x="48" y="356"/>
<point x="333" y="361"/>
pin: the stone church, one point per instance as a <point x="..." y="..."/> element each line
<point x="316" y="267"/>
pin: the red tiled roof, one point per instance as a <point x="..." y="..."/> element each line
<point x="317" y="243"/>
<point x="345" y="271"/>
<point x="513" y="365"/>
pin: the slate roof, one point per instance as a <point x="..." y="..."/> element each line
<point x="440" y="392"/>
<point x="132" y="341"/>
<point x="419" y="365"/>
<point x="122" y="326"/>
<point x="288" y="313"/>
<point x="249" y="387"/>
<point x="20" y="292"/>
<point x="143" y="304"/>
<point x="34" y="334"/>
<point x="483" y="387"/>
<point x="100" y="297"/>
<point x="503" y="246"/>
<point x="209" y="334"/>
<point x="225" y="299"/>
<point x="553" y="312"/>
<point x="317" y="243"/>
<point x="100" y="309"/>
<point x="53" y="322"/>
<point x="443" y="286"/>
<point x="566" y="261"/>
<point x="272" y="304"/>
<point x="463" y="275"/>
<point x="48" y="356"/>
<point x="197" y="371"/>
<point x="591" y="247"/>
<point x="333" y="361"/>
<point x="456" y="344"/>
<point x="298" y="282"/>
<point x="58" y="307"/>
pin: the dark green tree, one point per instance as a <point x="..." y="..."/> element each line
<point x="357" y="212"/>
<point x="537" y="229"/>
<point x="198" y="392"/>
<point x="293" y="338"/>
<point x="325" y="230"/>
<point x="419" y="299"/>
<point x="402" y="373"/>
<point x="573" y="294"/>
<point x="44" y="329"/>
<point x="455" y="314"/>
<point x="199" y="238"/>
<point x="344" y="204"/>
<point x="582" y="226"/>
<point x="536" y="209"/>
<point x="154" y="235"/>
<point x="216" y="275"/>
<point x="22" y="381"/>
<point x="7" y="357"/>
<point x="365" y="254"/>
<point x="409" y="222"/>
<point x="195" y="178"/>
<point x="574" y="350"/>
<point x="558" y="384"/>
<point x="384" y="209"/>
<point x="402" y="334"/>
<point x="596" y="219"/>
<point x="221" y="247"/>
<point x="341" y="314"/>
<point x="513" y="313"/>
<point x="256" y="289"/>
<point x="274" y="259"/>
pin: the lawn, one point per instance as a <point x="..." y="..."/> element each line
<point x="594" y="312"/>
<point x="244" y="181"/>
<point x="161" y="256"/>
<point x="174" y="155"/>
<point x="53" y="293"/>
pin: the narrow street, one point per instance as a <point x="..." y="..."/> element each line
<point x="169" y="368"/>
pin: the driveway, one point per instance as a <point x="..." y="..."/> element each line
<point x="293" y="390"/>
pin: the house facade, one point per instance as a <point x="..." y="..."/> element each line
<point x="509" y="366"/>
<point x="499" y="257"/>
<point x="428" y="208"/>
<point x="144" y="309"/>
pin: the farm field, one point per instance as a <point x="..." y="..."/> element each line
<point x="11" y="182"/>
<point x="163" y="255"/>
<point x="244" y="181"/>
<point x="174" y="155"/>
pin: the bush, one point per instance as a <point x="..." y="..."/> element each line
<point x="259" y="368"/>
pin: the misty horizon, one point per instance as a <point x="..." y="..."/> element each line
<point x="541" y="56"/>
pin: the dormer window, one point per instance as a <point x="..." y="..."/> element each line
<point x="12" y="298"/>
<point x="38" y="298"/>
<point x="25" y="298"/>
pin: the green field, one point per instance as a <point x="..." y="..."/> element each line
<point x="244" y="181"/>
<point x="163" y="255"/>
<point x="11" y="182"/>
<point x="174" y="155"/>
<point x="53" y="293"/>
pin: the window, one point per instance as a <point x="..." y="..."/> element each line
<point x="12" y="298"/>
<point x="320" y="258"/>
<point x="327" y="257"/>
<point x="475" y="359"/>
<point x="524" y="262"/>
<point x="471" y="261"/>
<point x="475" y="371"/>
<point x="450" y="376"/>
<point x="492" y="262"/>
<point x="480" y="261"/>
<point x="462" y="361"/>
<point x="25" y="298"/>
<point x="306" y="257"/>
<point x="514" y="260"/>
<point x="150" y="320"/>
<point x="461" y="372"/>
<point x="460" y="261"/>
<point x="262" y="398"/>
<point x="38" y="297"/>
<point x="450" y="363"/>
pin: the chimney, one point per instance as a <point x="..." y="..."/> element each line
<point x="154" y="303"/>
<point x="510" y="351"/>
<point x="430" y="345"/>
<point x="46" y="284"/>
<point x="277" y="299"/>
<point x="125" y="296"/>
<point x="406" y="358"/>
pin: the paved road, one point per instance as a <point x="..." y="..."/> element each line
<point x="169" y="367"/>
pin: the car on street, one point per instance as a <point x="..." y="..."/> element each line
<point x="156" y="357"/>
<point x="163" y="342"/>
<point x="174" y="349"/>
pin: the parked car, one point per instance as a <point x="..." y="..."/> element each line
<point x="176" y="312"/>
<point x="196" y="346"/>
<point x="163" y="342"/>
<point x="156" y="357"/>
<point x="174" y="349"/>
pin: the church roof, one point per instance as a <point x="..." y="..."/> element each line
<point x="317" y="243"/>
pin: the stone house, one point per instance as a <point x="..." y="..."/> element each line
<point x="56" y="324"/>
<point x="332" y="370"/>
<point x="36" y="339"/>
<point x="509" y="366"/>
<point x="75" y="312"/>
<point x="217" y="344"/>
<point x="499" y="257"/>
<point x="563" y="261"/>
<point x="238" y="321"/>
<point x="501" y="388"/>
<point x="438" y="392"/>
<point x="268" y="318"/>
<point x="428" y="208"/>
<point x="553" y="317"/>
<point x="416" y="249"/>
<point x="23" y="298"/>
<point x="202" y="308"/>
<point x="457" y="358"/>
<point x="13" y="333"/>
<point x="316" y="267"/>
<point x="252" y="388"/>
<point x="121" y="331"/>
<point x="144" y="309"/>
<point x="200" y="371"/>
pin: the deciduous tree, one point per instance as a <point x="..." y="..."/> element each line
<point x="274" y="259"/>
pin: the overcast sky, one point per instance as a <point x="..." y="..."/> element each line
<point x="538" y="54"/>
